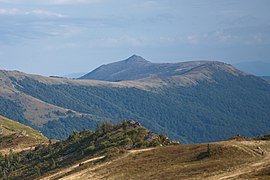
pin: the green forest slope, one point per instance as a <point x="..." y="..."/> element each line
<point x="209" y="102"/>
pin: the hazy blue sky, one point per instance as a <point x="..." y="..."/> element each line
<point x="56" y="37"/>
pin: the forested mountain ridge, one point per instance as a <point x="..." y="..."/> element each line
<point x="206" y="101"/>
<point x="266" y="78"/>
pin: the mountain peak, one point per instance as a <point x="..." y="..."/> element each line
<point x="136" y="67"/>
<point x="135" y="58"/>
<point x="121" y="70"/>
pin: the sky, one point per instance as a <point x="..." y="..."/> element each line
<point x="57" y="37"/>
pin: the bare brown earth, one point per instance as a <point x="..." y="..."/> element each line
<point x="234" y="159"/>
<point x="63" y="172"/>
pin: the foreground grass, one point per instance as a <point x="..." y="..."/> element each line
<point x="176" y="162"/>
<point x="183" y="162"/>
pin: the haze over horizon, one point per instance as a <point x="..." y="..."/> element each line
<point x="57" y="37"/>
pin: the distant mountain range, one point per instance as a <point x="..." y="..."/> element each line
<point x="74" y="75"/>
<point x="257" y="68"/>
<point x="195" y="101"/>
<point x="266" y="77"/>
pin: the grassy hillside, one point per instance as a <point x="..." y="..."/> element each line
<point x="234" y="159"/>
<point x="183" y="162"/>
<point x="9" y="127"/>
<point x="16" y="137"/>
<point x="107" y="141"/>
<point x="237" y="158"/>
<point x="129" y="151"/>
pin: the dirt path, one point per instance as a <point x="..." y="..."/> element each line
<point x="248" y="168"/>
<point x="14" y="150"/>
<point x="69" y="169"/>
<point x="140" y="150"/>
<point x="253" y="148"/>
<point x="89" y="172"/>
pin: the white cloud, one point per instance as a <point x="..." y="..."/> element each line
<point x="71" y="1"/>
<point x="134" y="41"/>
<point x="258" y="37"/>
<point x="59" y="46"/>
<point x="193" y="39"/>
<point x="10" y="12"/>
<point x="36" y="12"/>
<point x="40" y="12"/>
<point x="168" y="40"/>
<point x="55" y="2"/>
<point x="125" y="40"/>
<point x="149" y="3"/>
<point x="224" y="37"/>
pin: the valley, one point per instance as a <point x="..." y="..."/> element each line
<point x="182" y="100"/>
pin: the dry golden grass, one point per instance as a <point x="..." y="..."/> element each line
<point x="228" y="160"/>
<point x="17" y="136"/>
<point x="11" y="127"/>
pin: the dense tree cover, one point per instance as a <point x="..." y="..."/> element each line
<point x="108" y="139"/>
<point x="209" y="111"/>
<point x="263" y="137"/>
<point x="63" y="127"/>
<point x="12" y="110"/>
<point x="266" y="78"/>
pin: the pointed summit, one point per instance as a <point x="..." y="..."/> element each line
<point x="128" y="69"/>
<point x="136" y="59"/>
<point x="135" y="68"/>
<point x="135" y="56"/>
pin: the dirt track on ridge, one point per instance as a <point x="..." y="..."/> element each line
<point x="249" y="168"/>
